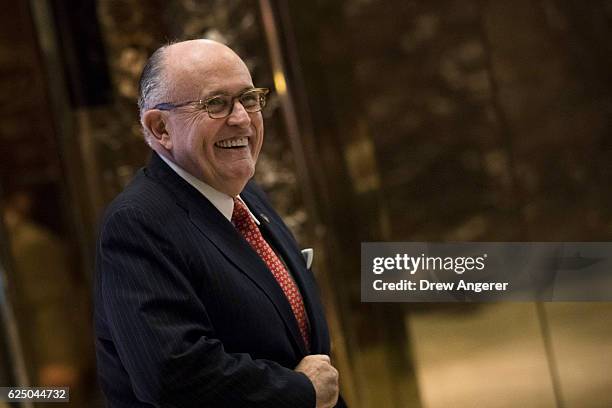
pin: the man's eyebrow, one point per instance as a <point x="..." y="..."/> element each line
<point x="223" y="92"/>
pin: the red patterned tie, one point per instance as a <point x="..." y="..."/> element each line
<point x="244" y="223"/>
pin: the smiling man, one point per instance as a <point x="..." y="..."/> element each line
<point x="202" y="297"/>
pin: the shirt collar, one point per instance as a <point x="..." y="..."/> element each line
<point x="222" y="202"/>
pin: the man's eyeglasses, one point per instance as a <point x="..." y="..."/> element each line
<point x="221" y="106"/>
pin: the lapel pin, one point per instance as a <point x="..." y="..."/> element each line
<point x="264" y="217"/>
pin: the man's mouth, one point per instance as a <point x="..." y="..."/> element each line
<point x="233" y="143"/>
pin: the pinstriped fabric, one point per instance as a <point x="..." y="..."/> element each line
<point x="247" y="227"/>
<point x="149" y="301"/>
<point x="185" y="316"/>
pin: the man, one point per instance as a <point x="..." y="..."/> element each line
<point x="202" y="296"/>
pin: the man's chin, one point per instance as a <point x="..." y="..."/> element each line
<point x="234" y="182"/>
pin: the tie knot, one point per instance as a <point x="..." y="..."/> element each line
<point x="240" y="213"/>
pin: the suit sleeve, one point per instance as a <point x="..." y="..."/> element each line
<point x="162" y="332"/>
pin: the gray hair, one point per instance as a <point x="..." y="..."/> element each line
<point x="152" y="86"/>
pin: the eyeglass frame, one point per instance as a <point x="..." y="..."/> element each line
<point x="167" y="106"/>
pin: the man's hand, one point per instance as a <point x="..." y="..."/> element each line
<point x="324" y="378"/>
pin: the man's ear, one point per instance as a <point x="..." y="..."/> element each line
<point x="153" y="121"/>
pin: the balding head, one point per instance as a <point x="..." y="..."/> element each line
<point x="192" y="64"/>
<point x="166" y="73"/>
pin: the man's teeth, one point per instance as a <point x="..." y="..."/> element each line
<point x="241" y="142"/>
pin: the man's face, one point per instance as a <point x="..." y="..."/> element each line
<point x="220" y="152"/>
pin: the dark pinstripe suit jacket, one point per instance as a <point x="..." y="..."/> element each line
<point x="186" y="313"/>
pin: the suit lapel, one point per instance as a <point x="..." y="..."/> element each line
<point x="222" y="234"/>
<point x="277" y="237"/>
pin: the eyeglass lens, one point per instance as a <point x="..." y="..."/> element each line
<point x="252" y="101"/>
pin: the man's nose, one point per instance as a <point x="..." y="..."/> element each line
<point x="239" y="116"/>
